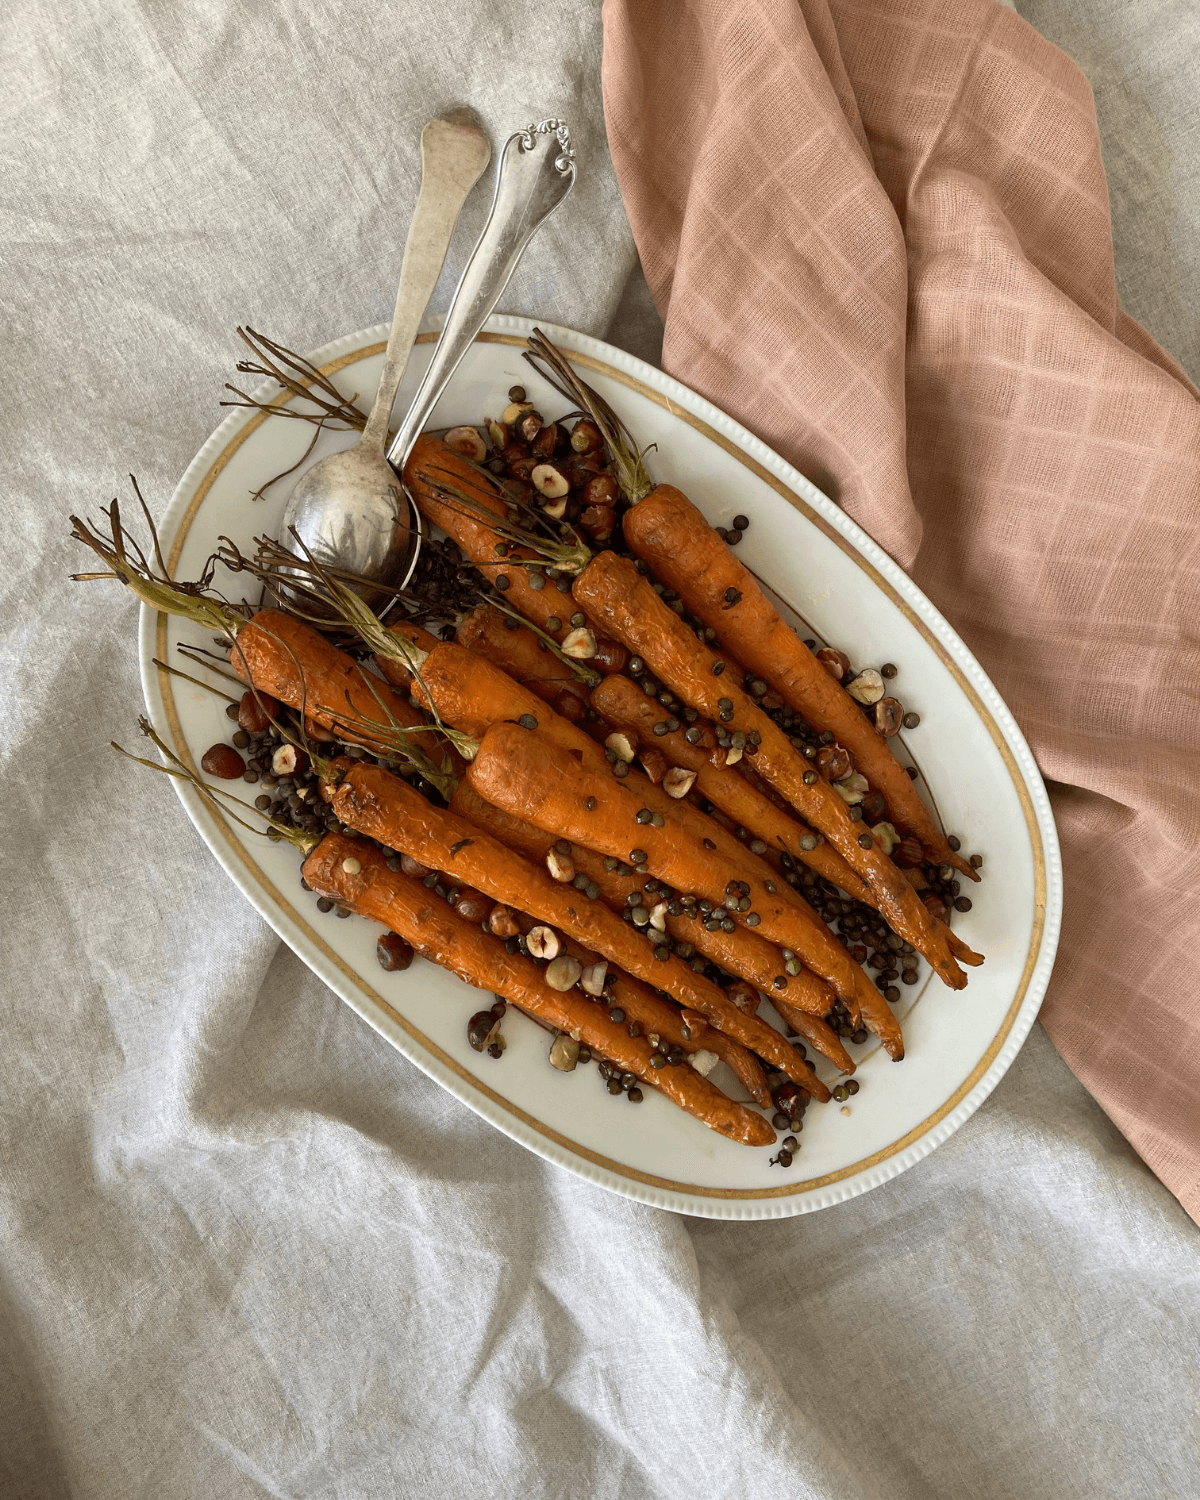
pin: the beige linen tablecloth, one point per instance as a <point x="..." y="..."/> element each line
<point x="246" y="1249"/>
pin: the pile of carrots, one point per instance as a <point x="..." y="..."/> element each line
<point x="622" y="848"/>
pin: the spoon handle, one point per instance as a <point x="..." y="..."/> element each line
<point x="454" y="153"/>
<point x="537" y="171"/>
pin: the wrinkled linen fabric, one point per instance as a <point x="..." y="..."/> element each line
<point x="879" y="235"/>
<point x="248" y="1250"/>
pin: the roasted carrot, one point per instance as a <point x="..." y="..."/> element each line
<point x="523" y="655"/>
<point x="392" y="668"/>
<point x="356" y="876"/>
<point x="533" y="778"/>
<point x="623" y="705"/>
<point x="374" y="802"/>
<point x="620" y="598"/>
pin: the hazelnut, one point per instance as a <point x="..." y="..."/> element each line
<point x="555" y="510"/>
<point x="874" y="805"/>
<point x="889" y="715"/>
<point x="622" y="745"/>
<point x="744" y="996"/>
<point x="585" y="436"/>
<point x="654" y="763"/>
<point x="935" y="905"/>
<point x="836" y="663"/>
<point x="545" y="441"/>
<point x="834" y="762"/>
<point x="413" y="867"/>
<point x="678" y="782"/>
<point x="288" y="760"/>
<point x="597" y="520"/>
<point x="609" y="657"/>
<point x="222" y="761"/>
<point x="470" y="904"/>
<point x="501" y="922"/>
<point x="852" y="788"/>
<point x="520" y="465"/>
<point x="542" y="942"/>
<point x="561" y="867"/>
<point x="482" y="1029"/>
<point x="563" y="973"/>
<point x="885" y="836"/>
<point x="466" y="440"/>
<point x="564" y="1053"/>
<point x="591" y="981"/>
<point x="549" y="480"/>
<point x="867" y="687"/>
<point x="658" y="916"/>
<point x="255" y="712"/>
<point x="393" y="952"/>
<point x="703" y="1061"/>
<point x="601" y="490"/>
<point x="908" y="853"/>
<point x="530" y="425"/>
<point x="514" y="411"/>
<point x="579" y="644"/>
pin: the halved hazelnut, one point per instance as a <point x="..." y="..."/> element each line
<point x="501" y="922"/>
<point x="564" y="1053"/>
<point x="885" y="836"/>
<point x="563" y="973"/>
<point x="466" y="440"/>
<point x="733" y="753"/>
<point x="835" y="662"/>
<point x="658" y="916"/>
<point x="834" y="762"/>
<point x="579" y="644"/>
<point x="678" y="782"/>
<point x="591" y="981"/>
<point x="530" y="425"/>
<point x="585" y="436"/>
<point x="744" y="996"/>
<point x="288" y="760"/>
<point x="867" y="687"/>
<point x="555" y="509"/>
<point x="514" y="411"/>
<point x="703" y="1061"/>
<point x="852" y="788"/>
<point x="542" y="942"/>
<point x="622" y="745"/>
<point x="561" y="867"/>
<point x="889" y="715"/>
<point x="654" y="763"/>
<point x="549" y="480"/>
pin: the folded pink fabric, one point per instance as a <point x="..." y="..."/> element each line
<point x="878" y="234"/>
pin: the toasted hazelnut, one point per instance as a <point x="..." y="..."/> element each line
<point x="935" y="905"/>
<point x="622" y="745"/>
<point x="520" y="465"/>
<point x="579" y="644"/>
<point x="601" y="490"/>
<point x="678" y="782"/>
<point x="561" y="867"/>
<point x="585" y="436"/>
<point x="288" y="760"/>
<point x="609" y="656"/>
<point x="889" y="715"/>
<point x="222" y="761"/>
<point x="542" y="942"/>
<point x="658" y="916"/>
<point x="514" y="411"/>
<point x="546" y="441"/>
<point x="885" y="836"/>
<point x="555" y="510"/>
<point x="530" y="425"/>
<point x="835" y="662"/>
<point x="255" y="712"/>
<point x="733" y="753"/>
<point x="591" y="981"/>
<point x="908" y="853"/>
<point x="393" y="953"/>
<point x="466" y="440"/>
<point x="597" y="520"/>
<point x="549" y="480"/>
<point x="703" y="1061"/>
<point x="482" y="1029"/>
<point x="834" y="762"/>
<point x="744" y="996"/>
<point x="471" y="904"/>
<point x="654" y="763"/>
<point x="501" y="922"/>
<point x="852" y="788"/>
<point x="564" y="1053"/>
<point x="867" y="687"/>
<point x="874" y="805"/>
<point x="413" y="867"/>
<point x="562" y="973"/>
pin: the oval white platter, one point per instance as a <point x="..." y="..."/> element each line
<point x="975" y="768"/>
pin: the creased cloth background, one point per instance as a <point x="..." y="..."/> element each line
<point x="880" y="237"/>
<point x="246" y="1249"/>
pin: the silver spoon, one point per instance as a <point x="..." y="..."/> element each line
<point x="350" y="509"/>
<point x="368" y="529"/>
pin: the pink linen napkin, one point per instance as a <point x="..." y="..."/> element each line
<point x="878" y="234"/>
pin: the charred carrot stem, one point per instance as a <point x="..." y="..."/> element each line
<point x="670" y="534"/>
<point x="525" y="774"/>
<point x="356" y="876"/>
<point x="617" y="596"/>
<point x="388" y="809"/>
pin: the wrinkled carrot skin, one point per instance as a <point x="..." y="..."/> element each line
<point x="395" y="671"/>
<point x="520" y="653"/>
<point x="283" y="656"/>
<point x="816" y="1034"/>
<point x="533" y="778"/>
<point x="668" y="532"/>
<point x="623" y="704"/>
<point x="742" y="953"/>
<point x="439" y="934"/>
<point x="376" y="803"/>
<point x="534" y="844"/>
<point x="621" y="599"/>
